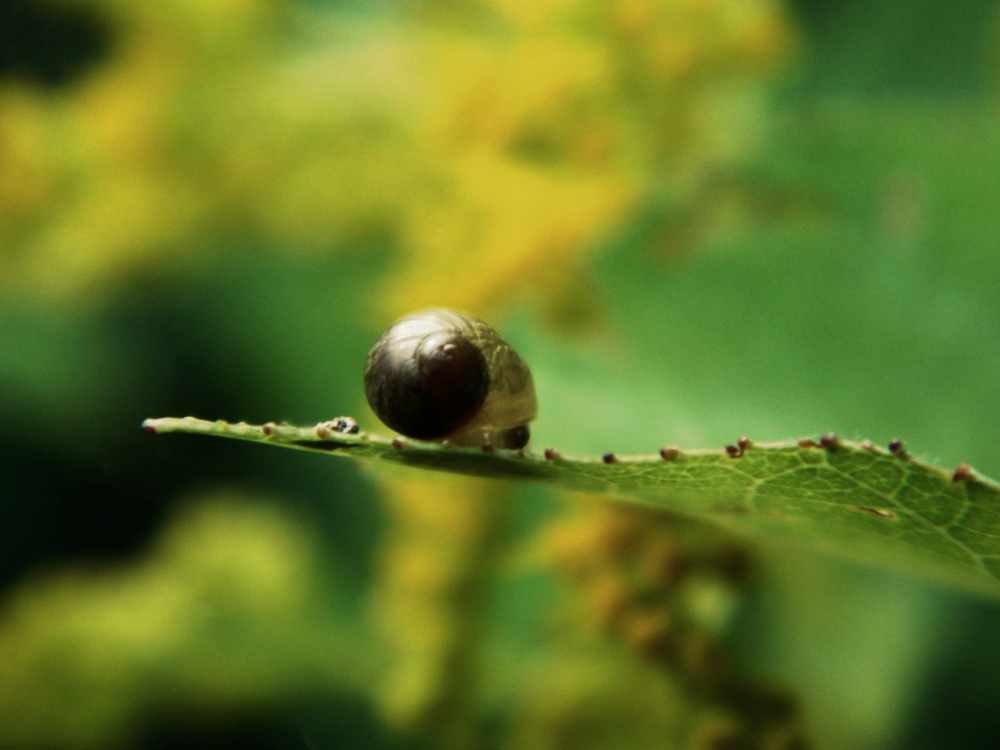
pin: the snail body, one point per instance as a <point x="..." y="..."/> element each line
<point x="446" y="375"/>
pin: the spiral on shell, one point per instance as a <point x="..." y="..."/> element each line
<point x="446" y="375"/>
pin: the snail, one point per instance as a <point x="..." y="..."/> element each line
<point x="446" y="375"/>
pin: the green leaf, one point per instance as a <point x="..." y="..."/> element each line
<point x="854" y="499"/>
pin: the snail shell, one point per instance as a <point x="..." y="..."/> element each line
<point x="446" y="375"/>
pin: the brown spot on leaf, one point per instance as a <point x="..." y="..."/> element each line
<point x="608" y="458"/>
<point x="896" y="448"/>
<point x="737" y="451"/>
<point x="669" y="453"/>
<point x="962" y="472"/>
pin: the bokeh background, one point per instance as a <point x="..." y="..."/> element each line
<point x="695" y="219"/>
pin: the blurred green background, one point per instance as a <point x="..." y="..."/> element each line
<point x="694" y="219"/>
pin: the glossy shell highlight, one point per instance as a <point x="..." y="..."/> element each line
<point x="446" y="375"/>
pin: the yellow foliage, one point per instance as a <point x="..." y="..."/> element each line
<point x="546" y="133"/>
<point x="221" y="613"/>
<point x="436" y="562"/>
<point x="499" y="146"/>
<point x="199" y="124"/>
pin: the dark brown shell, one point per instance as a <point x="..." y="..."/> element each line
<point x="441" y="374"/>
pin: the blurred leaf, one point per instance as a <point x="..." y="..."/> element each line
<point x="231" y="607"/>
<point x="853" y="499"/>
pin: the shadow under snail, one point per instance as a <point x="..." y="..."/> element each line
<point x="446" y="375"/>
